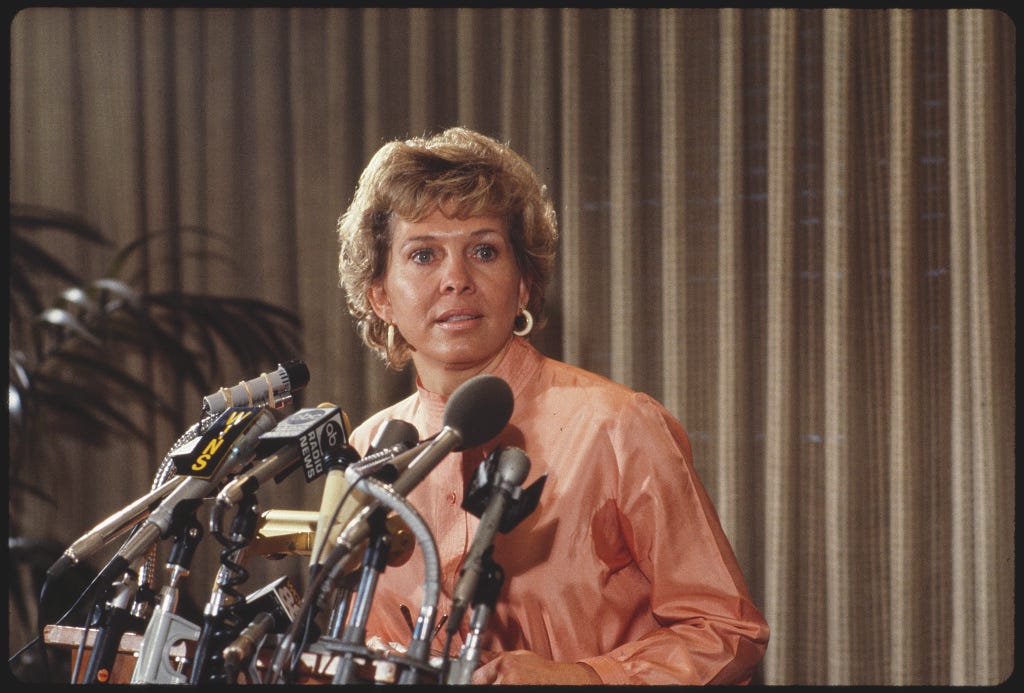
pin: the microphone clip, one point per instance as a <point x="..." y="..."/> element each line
<point x="522" y="501"/>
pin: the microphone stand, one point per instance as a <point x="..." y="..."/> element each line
<point x="416" y="661"/>
<point x="353" y="639"/>
<point x="342" y="602"/>
<point x="486" y="596"/>
<point x="113" y="620"/>
<point x="341" y="599"/>
<point x="495" y="496"/>
<point x="165" y="627"/>
<point x="220" y="625"/>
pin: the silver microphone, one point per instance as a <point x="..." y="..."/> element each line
<point x="216" y="460"/>
<point x="271" y="389"/>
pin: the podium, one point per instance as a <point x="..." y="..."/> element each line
<point x="70" y="638"/>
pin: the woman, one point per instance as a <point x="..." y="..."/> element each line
<point x="622" y="574"/>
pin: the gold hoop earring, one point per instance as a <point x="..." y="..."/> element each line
<point x="528" y="318"/>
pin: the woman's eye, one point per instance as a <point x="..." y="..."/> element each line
<point x="422" y="256"/>
<point x="486" y="252"/>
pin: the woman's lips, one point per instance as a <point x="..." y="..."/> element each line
<point x="457" y="316"/>
<point x="454" y="319"/>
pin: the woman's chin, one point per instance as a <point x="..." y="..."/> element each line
<point x="461" y="355"/>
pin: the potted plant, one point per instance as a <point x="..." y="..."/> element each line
<point x="84" y="353"/>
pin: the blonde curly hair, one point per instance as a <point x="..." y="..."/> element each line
<point x="465" y="173"/>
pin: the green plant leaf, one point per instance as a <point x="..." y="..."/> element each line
<point x="81" y="361"/>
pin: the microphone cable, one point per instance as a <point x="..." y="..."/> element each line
<point x="313" y="588"/>
<point x="446" y="657"/>
<point x="307" y="613"/>
<point x="40" y="639"/>
<point x="84" y="639"/>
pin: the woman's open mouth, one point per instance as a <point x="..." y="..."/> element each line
<point x="455" y="319"/>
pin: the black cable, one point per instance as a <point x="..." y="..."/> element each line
<point x="40" y="639"/>
<point x="306" y="632"/>
<point x="442" y="676"/>
<point x="85" y="637"/>
<point x="306" y="613"/>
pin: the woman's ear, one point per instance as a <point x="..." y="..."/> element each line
<point x="524" y="293"/>
<point x="379" y="301"/>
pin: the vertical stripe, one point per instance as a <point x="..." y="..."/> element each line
<point x="622" y="72"/>
<point x="780" y="377"/>
<point x="542" y="111"/>
<point x="872" y="80"/>
<point x="984" y="218"/>
<point x="672" y="196"/>
<point x="465" y="65"/>
<point x="374" y="135"/>
<point x="420" y="50"/>
<point x="904" y="341"/>
<point x="962" y="641"/>
<point x="372" y="71"/>
<point x="570" y="250"/>
<point x="729" y="431"/>
<point x="511" y="60"/>
<point x="838" y="459"/>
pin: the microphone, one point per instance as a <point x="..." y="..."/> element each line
<point x="112" y="527"/>
<point x="312" y="436"/>
<point x="271" y="389"/>
<point x="240" y="428"/>
<point x="394" y="436"/>
<point x="270" y="609"/>
<point x="476" y="412"/>
<point x="242" y="648"/>
<point x="511" y="468"/>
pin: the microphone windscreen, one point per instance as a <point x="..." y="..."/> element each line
<point x="478" y="409"/>
<point x="298" y="374"/>
<point x="394" y="432"/>
<point x="513" y="467"/>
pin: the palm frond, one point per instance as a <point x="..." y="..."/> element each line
<point x="110" y="376"/>
<point x="35" y="217"/>
<point x="83" y="406"/>
<point x="75" y="358"/>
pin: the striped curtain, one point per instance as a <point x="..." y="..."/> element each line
<point x="794" y="227"/>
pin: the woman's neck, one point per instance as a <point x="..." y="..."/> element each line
<point x="445" y="380"/>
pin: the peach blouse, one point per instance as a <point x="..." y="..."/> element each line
<point x="623" y="565"/>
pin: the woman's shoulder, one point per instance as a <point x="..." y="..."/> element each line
<point x="570" y="393"/>
<point x="593" y="390"/>
<point x="365" y="431"/>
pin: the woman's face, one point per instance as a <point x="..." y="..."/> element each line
<point x="453" y="290"/>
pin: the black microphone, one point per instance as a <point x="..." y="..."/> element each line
<point x="312" y="436"/>
<point x="391" y="433"/>
<point x="271" y="389"/>
<point x="229" y="443"/>
<point x="476" y="412"/>
<point x="393" y="437"/>
<point x="511" y="469"/>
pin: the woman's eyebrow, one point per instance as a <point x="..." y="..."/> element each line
<point x="420" y="238"/>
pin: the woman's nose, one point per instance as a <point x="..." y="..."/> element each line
<point x="457" y="277"/>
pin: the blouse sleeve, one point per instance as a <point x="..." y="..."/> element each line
<point x="710" y="630"/>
